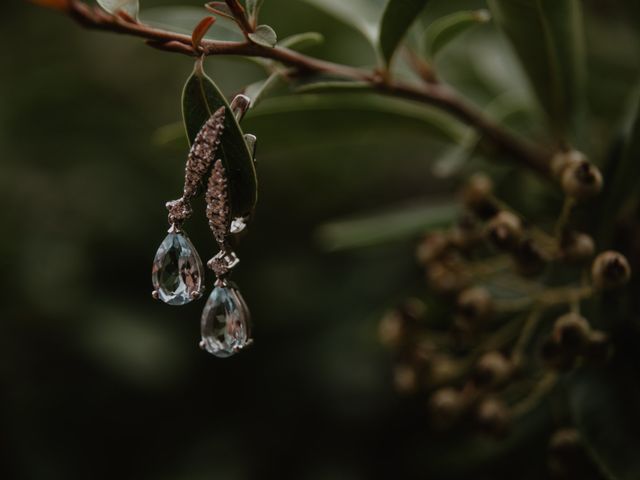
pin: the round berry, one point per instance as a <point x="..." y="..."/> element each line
<point x="610" y="270"/>
<point x="581" y="180"/>
<point x="504" y="230"/>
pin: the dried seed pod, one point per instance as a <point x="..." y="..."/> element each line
<point x="405" y="378"/>
<point x="465" y="234"/>
<point x="448" y="276"/>
<point x="493" y="416"/>
<point x="555" y="357"/>
<point x="562" y="160"/>
<point x="529" y="259"/>
<point x="464" y="333"/>
<point x="566" y="454"/>
<point x="446" y="407"/>
<point x="571" y="331"/>
<point x="492" y="369"/>
<point x="398" y="326"/>
<point x="432" y="247"/>
<point x="475" y="304"/>
<point x="424" y="353"/>
<point x="391" y="329"/>
<point x="442" y="368"/>
<point x="477" y="196"/>
<point x="581" y="180"/>
<point x="564" y="440"/>
<point x="413" y="309"/>
<point x="610" y="270"/>
<point x="599" y="348"/>
<point x="504" y="230"/>
<point x="577" y="247"/>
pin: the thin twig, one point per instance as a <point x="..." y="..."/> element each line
<point x="563" y="218"/>
<point x="437" y="95"/>
<point x="540" y="391"/>
<point x="526" y="333"/>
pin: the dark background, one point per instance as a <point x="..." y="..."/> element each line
<point x="101" y="382"/>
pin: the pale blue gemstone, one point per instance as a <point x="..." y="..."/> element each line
<point x="177" y="273"/>
<point x="225" y="324"/>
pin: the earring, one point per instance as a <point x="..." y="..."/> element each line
<point x="225" y="323"/>
<point x="177" y="273"/>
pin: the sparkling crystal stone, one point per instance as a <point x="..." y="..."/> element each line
<point x="177" y="273"/>
<point x="225" y="326"/>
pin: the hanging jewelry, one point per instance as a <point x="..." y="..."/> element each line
<point x="225" y="323"/>
<point x="177" y="273"/>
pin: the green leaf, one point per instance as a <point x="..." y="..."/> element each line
<point x="429" y="120"/>
<point x="404" y="223"/>
<point x="622" y="170"/>
<point x="446" y="29"/>
<point x="302" y="41"/>
<point x="253" y="7"/>
<point x="265" y="36"/>
<point x="396" y="20"/>
<point x="184" y="19"/>
<point x="259" y="90"/>
<point x="548" y="38"/>
<point x="334" y="86"/>
<point x="130" y="7"/>
<point x="220" y="9"/>
<point x="455" y="158"/>
<point x="201" y="97"/>
<point x="360" y="15"/>
<point x="605" y="410"/>
<point x="201" y="30"/>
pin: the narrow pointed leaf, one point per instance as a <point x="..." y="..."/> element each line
<point x="386" y="227"/>
<point x="201" y="97"/>
<point x="302" y="41"/>
<point x="548" y="38"/>
<point x="446" y="29"/>
<point x="621" y="170"/>
<point x="398" y="17"/>
<point x="182" y="20"/>
<point x="130" y="7"/>
<point x="456" y="157"/>
<point x="360" y="15"/>
<point x="201" y="30"/>
<point x="221" y="9"/>
<point x="362" y="107"/>
<point x="334" y="86"/>
<point x="265" y="36"/>
<point x="253" y="7"/>
<point x="258" y="91"/>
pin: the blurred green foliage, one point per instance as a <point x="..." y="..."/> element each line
<point x="101" y="382"/>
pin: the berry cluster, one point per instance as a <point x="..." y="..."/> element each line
<point x="498" y="326"/>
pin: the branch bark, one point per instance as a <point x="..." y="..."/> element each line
<point x="438" y="95"/>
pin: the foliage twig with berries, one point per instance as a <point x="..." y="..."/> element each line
<point x="517" y="307"/>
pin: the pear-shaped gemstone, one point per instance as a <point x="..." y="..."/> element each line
<point x="225" y="324"/>
<point x="177" y="273"/>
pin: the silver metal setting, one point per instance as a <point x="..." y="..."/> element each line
<point x="239" y="106"/>
<point x="223" y="262"/>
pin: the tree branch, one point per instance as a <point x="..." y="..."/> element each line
<point x="437" y="95"/>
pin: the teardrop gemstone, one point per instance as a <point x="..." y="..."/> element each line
<point x="225" y="324"/>
<point x="177" y="273"/>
